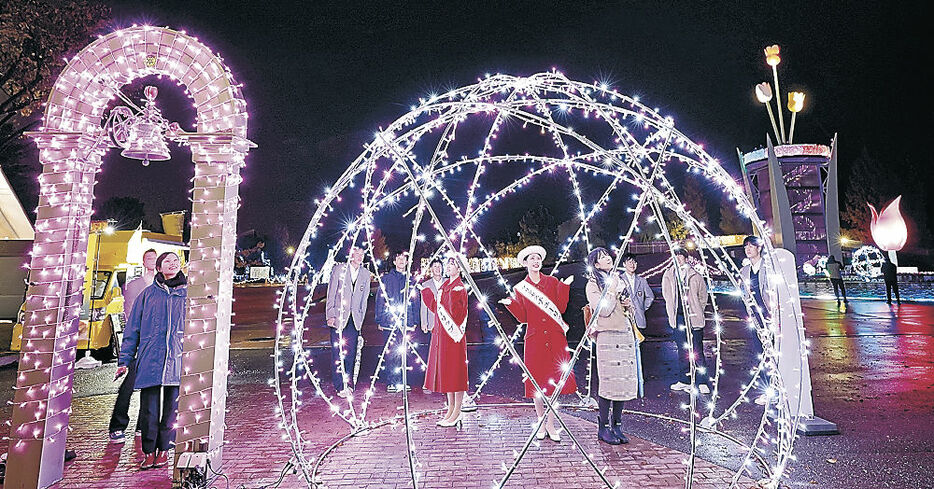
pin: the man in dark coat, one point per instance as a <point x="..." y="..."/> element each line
<point x="890" y="274"/>
<point x="396" y="315"/>
<point x="834" y="268"/>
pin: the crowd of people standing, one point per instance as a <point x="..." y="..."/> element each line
<point x="437" y="303"/>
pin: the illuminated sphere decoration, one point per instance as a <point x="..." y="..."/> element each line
<point x="815" y="266"/>
<point x="439" y="170"/>
<point x="867" y="262"/>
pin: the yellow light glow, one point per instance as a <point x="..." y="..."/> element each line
<point x="795" y="101"/>
<point x="771" y="55"/>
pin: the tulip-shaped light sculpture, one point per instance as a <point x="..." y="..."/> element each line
<point x="772" y="58"/>
<point x="795" y="104"/>
<point x="764" y="96"/>
<point x="888" y="228"/>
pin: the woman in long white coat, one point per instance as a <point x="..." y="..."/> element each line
<point x="618" y="362"/>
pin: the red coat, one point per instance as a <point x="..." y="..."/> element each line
<point x="447" y="359"/>
<point x="545" y="341"/>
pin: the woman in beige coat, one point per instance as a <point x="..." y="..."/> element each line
<point x="618" y="362"/>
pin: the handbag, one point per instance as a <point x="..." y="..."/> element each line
<point x="635" y="331"/>
<point x="588" y="314"/>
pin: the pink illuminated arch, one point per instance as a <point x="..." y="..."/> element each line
<point x="72" y="143"/>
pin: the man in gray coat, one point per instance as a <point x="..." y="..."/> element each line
<point x="348" y="290"/>
<point x="638" y="288"/>
<point x="687" y="281"/>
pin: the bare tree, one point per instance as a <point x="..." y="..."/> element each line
<point x="35" y="38"/>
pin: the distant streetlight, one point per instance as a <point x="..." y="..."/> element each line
<point x="290" y="250"/>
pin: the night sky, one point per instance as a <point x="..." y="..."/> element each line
<point x="319" y="79"/>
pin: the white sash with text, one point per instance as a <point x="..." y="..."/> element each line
<point x="541" y="301"/>
<point x="454" y="330"/>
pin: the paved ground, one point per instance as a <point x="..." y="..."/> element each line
<point x="472" y="457"/>
<point x="872" y="371"/>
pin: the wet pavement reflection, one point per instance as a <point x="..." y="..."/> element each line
<point x="872" y="369"/>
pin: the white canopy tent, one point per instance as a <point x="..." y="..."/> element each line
<point x="13" y="221"/>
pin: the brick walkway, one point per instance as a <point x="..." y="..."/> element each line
<point x="474" y="457"/>
<point x="256" y="452"/>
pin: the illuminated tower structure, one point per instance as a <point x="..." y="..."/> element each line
<point x="801" y="206"/>
<point x="794" y="186"/>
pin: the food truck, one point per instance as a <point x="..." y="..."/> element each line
<point x="113" y="258"/>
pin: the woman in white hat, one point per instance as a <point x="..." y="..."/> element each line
<point x="539" y="300"/>
<point x="447" y="358"/>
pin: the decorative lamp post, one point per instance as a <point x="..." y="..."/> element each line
<point x="888" y="228"/>
<point x="764" y="95"/>
<point x="793" y="183"/>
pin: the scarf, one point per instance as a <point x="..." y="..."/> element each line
<point x="178" y="279"/>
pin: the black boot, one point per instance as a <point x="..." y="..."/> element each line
<point x="618" y="421"/>
<point x="604" y="433"/>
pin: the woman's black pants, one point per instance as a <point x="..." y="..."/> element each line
<point x="158" y="425"/>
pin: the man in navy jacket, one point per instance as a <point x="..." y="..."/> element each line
<point x="396" y="315"/>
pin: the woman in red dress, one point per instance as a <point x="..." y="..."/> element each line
<point x="539" y="301"/>
<point x="447" y="357"/>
